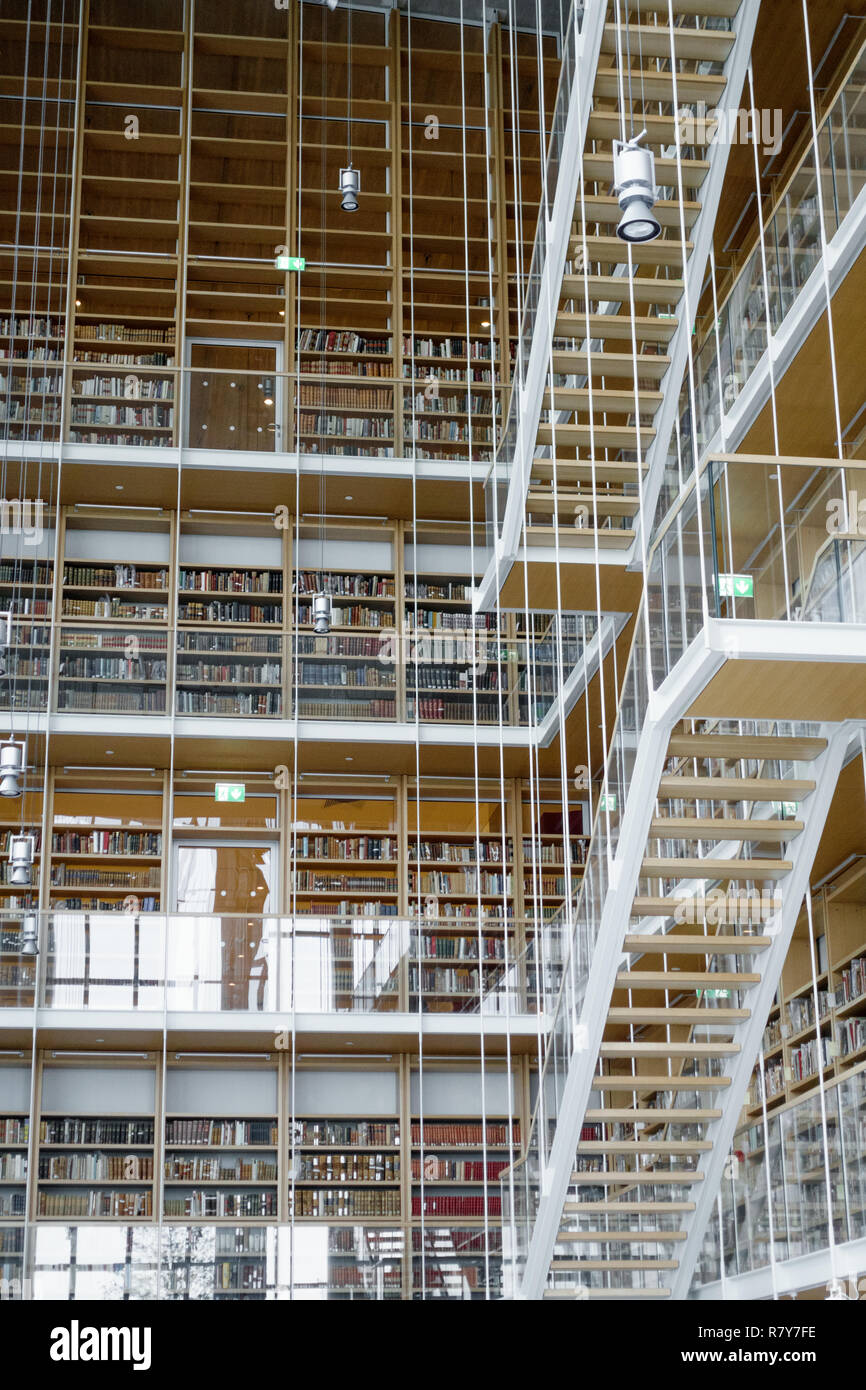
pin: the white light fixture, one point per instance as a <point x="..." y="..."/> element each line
<point x="30" y="935"/>
<point x="635" y="188"/>
<point x="322" y="614"/>
<point x="331" y="4"/>
<point x="268" y="387"/>
<point x="350" y="187"/>
<point x="11" y="767"/>
<point x="21" y="851"/>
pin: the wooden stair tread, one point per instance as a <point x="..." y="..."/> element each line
<point x="621" y="1237"/>
<point x="597" y="1295"/>
<point x="628" y="1082"/>
<point x="627" y="1208"/>
<point x="625" y="1014"/>
<point x="734" y="788"/>
<point x="654" y="41"/>
<point x="664" y="867"/>
<point x="700" y="979"/>
<point x="661" y="1146"/>
<point x="738" y="746"/>
<point x="668" y="1049"/>
<point x="647" y="290"/>
<point x="724" y="828"/>
<point x="629" y="1116"/>
<point x="574" y="361"/>
<point x="671" y="944"/>
<point x="613" y="1264"/>
<point x="636" y="1178"/>
<point x="603" y="398"/>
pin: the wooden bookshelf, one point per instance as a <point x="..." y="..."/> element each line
<point x="14" y="1139"/>
<point x="107" y="846"/>
<point x="792" y="1052"/>
<point x="95" y="1168"/>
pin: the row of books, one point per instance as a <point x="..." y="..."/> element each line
<point x="218" y="612"/>
<point x="356" y="677"/>
<point x="433" y="708"/>
<point x="145" y="904"/>
<point x="358" y="368"/>
<point x="95" y="1167"/>
<point x="852" y="981"/>
<point x="142" y="417"/>
<point x="236" y="643"/>
<point x="470" y="881"/>
<point x="455" y="1206"/>
<point x="218" y="1170"/>
<point x="809" y="1057"/>
<point x="36" y="385"/>
<point x="435" y="1169"/>
<point x="383" y="451"/>
<point x="131" y="387"/>
<point x="441" y="981"/>
<point x="345" y="847"/>
<point x="13" y="1167"/>
<point x="18" y="412"/>
<point x="539" y="853"/>
<point x="232" y="581"/>
<point x="107" y="842"/>
<point x="23" y="571"/>
<point x="447" y="431"/>
<point x="325" y="340"/>
<point x="463" y="374"/>
<point x="479" y="348"/>
<point x="466" y="1135"/>
<point x="236" y="672"/>
<point x="447" y="678"/>
<point x="475" y="405"/>
<point x="349" y="1167"/>
<point x="115" y="576"/>
<point x="205" y="702"/>
<point x="351" y="1132"/>
<point x="63" y="876"/>
<point x="114" y="1204"/>
<point x="33" y="326"/>
<point x="127" y="440"/>
<point x="32" y="354"/>
<point x="77" y="639"/>
<point x="344" y="646"/>
<point x="13" y="1204"/>
<point x="464" y="911"/>
<point x="485" y="851"/>
<point x="122" y="332"/>
<point x="357" y="585"/>
<point x="354" y="615"/>
<point x="851" y="1035"/>
<point x="306" y="881"/>
<point x="222" y="1204"/>
<point x="451" y="947"/>
<point x="128" y="359"/>
<point x="116" y="668"/>
<point x="343" y="709"/>
<point x="221" y="1133"/>
<point x="337" y="1202"/>
<point x="801" y="1012"/>
<point x="347" y="426"/>
<point x="75" y="1130"/>
<point x="229" y="1274"/>
<point x="14" y="1130"/>
<point x="359" y="398"/>
<point x="140" y="701"/>
<point x="113" y="608"/>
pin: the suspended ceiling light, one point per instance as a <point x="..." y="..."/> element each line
<point x="21" y="851"/>
<point x="11" y="767"/>
<point x="635" y="188"/>
<point x="322" y="614"/>
<point x="30" y="935"/>
<point x="331" y="4"/>
<point x="350" y="187"/>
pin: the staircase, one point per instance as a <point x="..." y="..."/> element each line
<point x="599" y="413"/>
<point x="736" y="823"/>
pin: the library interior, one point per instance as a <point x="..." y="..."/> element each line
<point x="432" y="538"/>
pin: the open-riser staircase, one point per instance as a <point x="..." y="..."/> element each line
<point x="735" y="827"/>
<point x="600" y="408"/>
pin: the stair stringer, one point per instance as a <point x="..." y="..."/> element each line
<point x="667" y="706"/>
<point x="794" y="887"/>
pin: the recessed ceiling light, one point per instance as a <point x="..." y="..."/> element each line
<point x="118" y="487"/>
<point x="78" y="303"/>
<point x="350" y="760"/>
<point x="348" y="497"/>
<point x="109" y="752"/>
<point x="282" y="313"/>
<point x="485" y="323"/>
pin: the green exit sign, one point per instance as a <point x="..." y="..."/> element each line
<point x="736" y="586"/>
<point x="230" y="791"/>
<point x="607" y="802"/>
<point x="291" y="263"/>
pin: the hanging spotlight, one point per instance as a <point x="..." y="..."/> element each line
<point x="350" y="187"/>
<point x="635" y="188"/>
<point x="11" y="767"/>
<point x="30" y="935"/>
<point x="331" y="4"/>
<point x="268" y="388"/>
<point x="322" y="614"/>
<point x="21" y="851"/>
